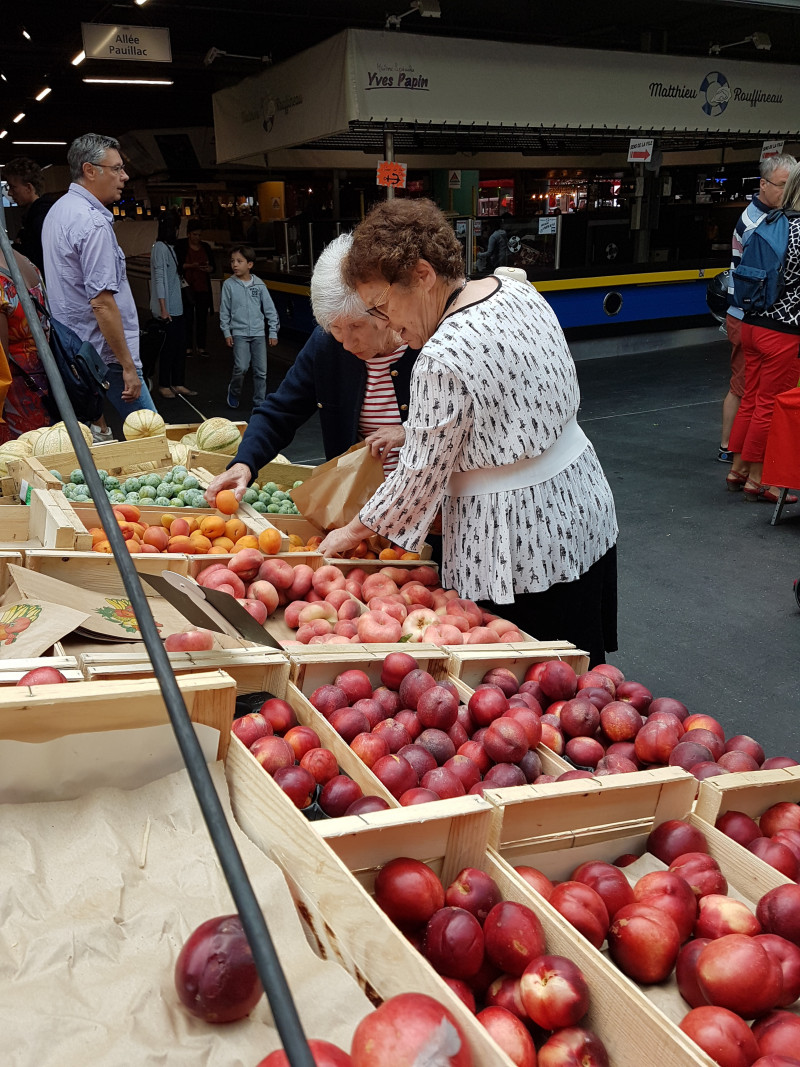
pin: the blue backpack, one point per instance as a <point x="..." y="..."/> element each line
<point x="758" y="280"/>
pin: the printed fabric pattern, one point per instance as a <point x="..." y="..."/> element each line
<point x="494" y="385"/>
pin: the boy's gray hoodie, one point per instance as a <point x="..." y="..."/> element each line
<point x="244" y="307"/>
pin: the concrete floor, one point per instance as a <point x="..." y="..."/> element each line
<point x="707" y="612"/>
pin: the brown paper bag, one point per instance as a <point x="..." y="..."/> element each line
<point x="30" y="625"/>
<point x="338" y="489"/>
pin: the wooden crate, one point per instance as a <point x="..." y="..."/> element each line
<point x="314" y="667"/>
<point x="6" y="558"/>
<point x="749" y="791"/>
<point x="254" y="670"/>
<point x="470" y="665"/>
<point x="332" y="881"/>
<point x="43" y="521"/>
<point x="118" y="458"/>
<point x="44" y="712"/>
<point x="98" y="571"/>
<point x="11" y="670"/>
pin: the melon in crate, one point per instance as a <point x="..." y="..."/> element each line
<point x="142" y="423"/>
<point x="11" y="450"/>
<point x="218" y="435"/>
<point x="179" y="452"/>
<point x="189" y="440"/>
<point x="30" y="437"/>
<point x="55" y="439"/>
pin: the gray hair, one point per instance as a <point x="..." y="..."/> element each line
<point x="331" y="299"/>
<point x="90" y="148"/>
<point x="791" y="191"/>
<point x="773" y="163"/>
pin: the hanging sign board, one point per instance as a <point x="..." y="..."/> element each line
<point x="640" y="151"/>
<point x="142" y="44"/>
<point x="454" y="181"/>
<point x="770" y="148"/>
<point x="391" y="174"/>
<point x="548" y="224"/>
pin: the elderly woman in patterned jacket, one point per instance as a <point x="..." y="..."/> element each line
<point x="529" y="524"/>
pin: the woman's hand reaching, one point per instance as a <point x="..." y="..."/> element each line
<point x="382" y="441"/>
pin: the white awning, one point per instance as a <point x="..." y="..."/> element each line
<point x="505" y="93"/>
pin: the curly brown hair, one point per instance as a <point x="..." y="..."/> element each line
<point x="395" y="236"/>
<point x="27" y="170"/>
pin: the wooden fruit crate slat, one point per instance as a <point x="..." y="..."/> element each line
<point x="253" y="670"/>
<point x="749" y="791"/>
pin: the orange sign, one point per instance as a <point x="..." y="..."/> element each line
<point x="392" y="174"/>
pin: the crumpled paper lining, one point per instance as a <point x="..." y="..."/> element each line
<point x="89" y="938"/>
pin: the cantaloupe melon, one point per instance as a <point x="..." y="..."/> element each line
<point x="142" y="423"/>
<point x="30" y="436"/>
<point x="179" y="452"/>
<point x="55" y="439"/>
<point x="15" y="449"/>
<point x="189" y="439"/>
<point x="218" y="435"/>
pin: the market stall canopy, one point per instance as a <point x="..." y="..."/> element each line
<point x="461" y="95"/>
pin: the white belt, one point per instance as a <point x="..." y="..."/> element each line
<point x="525" y="472"/>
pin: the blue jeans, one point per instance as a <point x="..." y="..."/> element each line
<point x="247" y="350"/>
<point x="144" y="402"/>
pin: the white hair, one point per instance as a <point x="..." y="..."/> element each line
<point x="331" y="299"/>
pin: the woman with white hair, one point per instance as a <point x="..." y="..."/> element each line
<point x="353" y="370"/>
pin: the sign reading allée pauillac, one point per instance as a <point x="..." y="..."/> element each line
<point x="143" y="44"/>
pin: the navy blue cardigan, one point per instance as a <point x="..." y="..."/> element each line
<point x="326" y="378"/>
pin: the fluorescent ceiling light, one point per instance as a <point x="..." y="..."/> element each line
<point x="25" y="34"/>
<point x="3" y="133"/>
<point x="78" y="59"/>
<point x="129" y="81"/>
<point x="45" y="92"/>
<point x="19" y="117"/>
<point x="39" y="142"/>
<point x="141" y="3"/>
<point x="5" y="79"/>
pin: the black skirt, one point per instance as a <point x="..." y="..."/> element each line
<point x="583" y="612"/>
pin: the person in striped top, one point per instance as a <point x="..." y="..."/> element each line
<point x="353" y="372"/>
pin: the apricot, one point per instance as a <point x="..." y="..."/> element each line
<point x="102" y="546"/>
<point x="132" y="546"/>
<point x="370" y="555"/>
<point x="226" y="502"/>
<point x="156" y="537"/>
<point x="388" y="553"/>
<point x="218" y="550"/>
<point x="167" y="520"/>
<point x="224" y="543"/>
<point x="212" y="526"/>
<point x="410" y="555"/>
<point x="269" y="541"/>
<point x="296" y="541"/>
<point x="97" y="535"/>
<point x="149" y="549"/>
<point x="179" y="527"/>
<point x="200" y="544"/>
<point x="234" y="529"/>
<point x="194" y="523"/>
<point x="181" y="543"/>
<point x="248" y="541"/>
<point x="126" y="528"/>
<point x="139" y="529"/>
<point x="128" y="511"/>
<point x="314" y="542"/>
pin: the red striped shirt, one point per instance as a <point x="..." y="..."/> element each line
<point x="380" y="401"/>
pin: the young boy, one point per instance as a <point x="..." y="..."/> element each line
<point x="244" y="305"/>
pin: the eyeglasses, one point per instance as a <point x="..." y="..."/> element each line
<point x="118" y="168"/>
<point x="777" y="185"/>
<point x="374" y="312"/>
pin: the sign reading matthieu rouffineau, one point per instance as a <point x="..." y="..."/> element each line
<point x="144" y="44"/>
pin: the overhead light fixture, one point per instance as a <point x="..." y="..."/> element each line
<point x="128" y="81"/>
<point x="429" y="9"/>
<point x="78" y="59"/>
<point x="141" y="3"/>
<point x="5" y="79"/>
<point x="760" y="40"/>
<point x="25" y="33"/>
<point x="39" y="142"/>
<point x="3" y="133"/>
<point x="45" y="92"/>
<point x="19" y="117"/>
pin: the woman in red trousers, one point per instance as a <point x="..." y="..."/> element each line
<point x="771" y="344"/>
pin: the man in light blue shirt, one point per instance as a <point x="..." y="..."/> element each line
<point x="88" y="286"/>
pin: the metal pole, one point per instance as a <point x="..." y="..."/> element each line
<point x="388" y="155"/>
<point x="266" y="961"/>
<point x="557" y="262"/>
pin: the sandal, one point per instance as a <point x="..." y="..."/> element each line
<point x="735" y="481"/>
<point x="181" y="390"/>
<point x="755" y="494"/>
